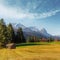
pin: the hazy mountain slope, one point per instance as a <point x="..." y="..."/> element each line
<point x="32" y="31"/>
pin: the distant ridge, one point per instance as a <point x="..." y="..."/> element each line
<point x="33" y="31"/>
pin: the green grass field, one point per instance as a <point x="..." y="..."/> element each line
<point x="32" y="51"/>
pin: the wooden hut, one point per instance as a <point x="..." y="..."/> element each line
<point x="11" y="46"/>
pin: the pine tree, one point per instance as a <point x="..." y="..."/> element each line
<point x="20" y="36"/>
<point x="3" y="32"/>
<point x="11" y="33"/>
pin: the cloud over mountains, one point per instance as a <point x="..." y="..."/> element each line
<point x="7" y="12"/>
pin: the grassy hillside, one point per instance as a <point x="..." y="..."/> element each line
<point x="32" y="51"/>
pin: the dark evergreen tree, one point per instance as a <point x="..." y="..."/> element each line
<point x="31" y="39"/>
<point x="3" y="32"/>
<point x="11" y="33"/>
<point x="20" y="36"/>
<point x="28" y="39"/>
<point x="50" y="39"/>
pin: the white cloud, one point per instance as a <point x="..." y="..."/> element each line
<point x="6" y="12"/>
<point x="47" y="14"/>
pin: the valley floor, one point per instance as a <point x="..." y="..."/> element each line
<point x="36" y="52"/>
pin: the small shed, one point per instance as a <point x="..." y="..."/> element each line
<point x="11" y="46"/>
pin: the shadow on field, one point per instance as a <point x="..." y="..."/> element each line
<point x="29" y="44"/>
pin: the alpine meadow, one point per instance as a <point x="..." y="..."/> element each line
<point x="29" y="29"/>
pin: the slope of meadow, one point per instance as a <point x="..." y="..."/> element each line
<point x="34" y="52"/>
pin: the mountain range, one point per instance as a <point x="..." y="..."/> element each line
<point x="33" y="31"/>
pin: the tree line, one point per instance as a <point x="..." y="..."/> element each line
<point x="8" y="35"/>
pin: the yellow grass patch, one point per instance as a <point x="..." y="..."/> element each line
<point x="37" y="52"/>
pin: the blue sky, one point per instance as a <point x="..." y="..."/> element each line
<point x="37" y="13"/>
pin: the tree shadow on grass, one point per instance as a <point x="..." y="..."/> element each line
<point x="29" y="44"/>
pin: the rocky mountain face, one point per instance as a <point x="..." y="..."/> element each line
<point x="33" y="31"/>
